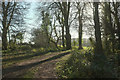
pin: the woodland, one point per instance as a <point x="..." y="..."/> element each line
<point x="51" y="51"/>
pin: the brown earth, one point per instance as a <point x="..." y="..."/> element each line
<point x="45" y="64"/>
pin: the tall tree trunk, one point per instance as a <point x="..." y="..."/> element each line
<point x="68" y="36"/>
<point x="99" y="57"/>
<point x="108" y="29"/>
<point x="9" y="36"/>
<point x="63" y="43"/>
<point x="80" y="30"/>
<point x="4" y="39"/>
<point x="111" y="27"/>
<point x="65" y="8"/>
<point x="98" y="44"/>
<point x="6" y="23"/>
<point x="4" y="30"/>
<point x="118" y="32"/>
<point x="105" y="28"/>
<point x="117" y="22"/>
<point x="66" y="17"/>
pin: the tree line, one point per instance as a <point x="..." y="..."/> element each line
<point x="58" y="18"/>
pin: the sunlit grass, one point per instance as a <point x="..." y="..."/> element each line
<point x="61" y="62"/>
<point x="80" y="64"/>
<point x="31" y="72"/>
<point x="9" y="59"/>
<point x="11" y="56"/>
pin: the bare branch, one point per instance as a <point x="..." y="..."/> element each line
<point x="11" y="15"/>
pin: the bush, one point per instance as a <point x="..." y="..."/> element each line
<point x="24" y="47"/>
<point x="81" y="65"/>
<point x="76" y="66"/>
<point x="43" y="50"/>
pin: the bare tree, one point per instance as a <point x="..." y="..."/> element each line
<point x="7" y="14"/>
<point x="11" y="17"/>
<point x="80" y="18"/>
<point x="65" y="8"/>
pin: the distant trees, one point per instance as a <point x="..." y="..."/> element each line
<point x="64" y="18"/>
<point x="40" y="38"/>
<point x="16" y="39"/>
<point x="59" y="23"/>
<point x="19" y="36"/>
<point x="47" y="34"/>
<point x="45" y="25"/>
<point x="41" y="35"/>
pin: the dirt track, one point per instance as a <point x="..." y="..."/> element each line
<point x="45" y="64"/>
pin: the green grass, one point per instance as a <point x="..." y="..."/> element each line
<point x="11" y="58"/>
<point x="74" y="65"/>
<point x="81" y="64"/>
<point x="84" y="47"/>
<point x="61" y="63"/>
<point x="31" y="72"/>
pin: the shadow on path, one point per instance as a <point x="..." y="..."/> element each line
<point x="18" y="68"/>
<point x="26" y="56"/>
